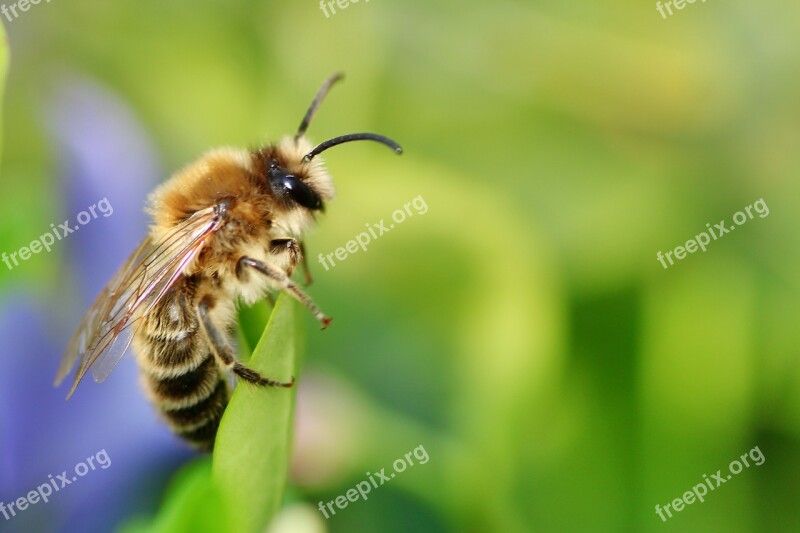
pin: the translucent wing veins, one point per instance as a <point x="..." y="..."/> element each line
<point x="107" y="329"/>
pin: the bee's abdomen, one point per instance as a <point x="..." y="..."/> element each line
<point x="192" y="403"/>
<point x="184" y="381"/>
<point x="180" y="374"/>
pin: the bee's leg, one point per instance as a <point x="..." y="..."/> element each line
<point x="290" y="246"/>
<point x="306" y="271"/>
<point x="224" y="353"/>
<point x="279" y="246"/>
<point x="284" y="282"/>
<point x="297" y="254"/>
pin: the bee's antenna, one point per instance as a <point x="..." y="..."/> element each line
<point x="312" y="109"/>
<point x="352" y="137"/>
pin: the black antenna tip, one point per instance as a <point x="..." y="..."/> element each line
<point x="330" y="143"/>
<point x="323" y="91"/>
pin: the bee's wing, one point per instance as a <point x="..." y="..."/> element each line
<point x="106" y="331"/>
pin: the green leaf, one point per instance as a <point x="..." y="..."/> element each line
<point x="191" y="503"/>
<point x="244" y="488"/>
<point x="251" y="454"/>
<point x="252" y="321"/>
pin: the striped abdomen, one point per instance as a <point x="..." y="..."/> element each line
<point x="180" y="374"/>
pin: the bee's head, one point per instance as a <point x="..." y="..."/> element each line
<point x="296" y="175"/>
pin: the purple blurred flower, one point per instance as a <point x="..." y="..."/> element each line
<point x="103" y="153"/>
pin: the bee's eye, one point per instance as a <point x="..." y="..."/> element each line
<point x="298" y="191"/>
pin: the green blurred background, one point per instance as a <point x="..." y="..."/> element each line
<point x="522" y="329"/>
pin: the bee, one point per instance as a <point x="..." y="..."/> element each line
<point x="225" y="229"/>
